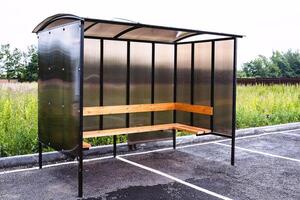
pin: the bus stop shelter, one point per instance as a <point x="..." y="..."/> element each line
<point x="101" y="78"/>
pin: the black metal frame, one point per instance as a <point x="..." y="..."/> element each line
<point x="175" y="92"/>
<point x="234" y="81"/>
<point x="175" y="43"/>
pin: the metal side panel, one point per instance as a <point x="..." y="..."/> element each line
<point x="224" y="60"/>
<point x="59" y="87"/>
<point x="91" y="82"/>
<point x="183" y="80"/>
<point x="114" y="80"/>
<point x="202" y="81"/>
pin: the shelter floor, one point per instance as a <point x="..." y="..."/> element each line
<point x="267" y="167"/>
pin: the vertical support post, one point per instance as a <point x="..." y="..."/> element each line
<point x="128" y="82"/>
<point x="192" y="80"/>
<point x="80" y="148"/>
<point x="212" y="84"/>
<point x="101" y="83"/>
<point x="233" y="102"/>
<point x="40" y="155"/>
<point x="152" y="80"/>
<point x="131" y="147"/>
<point x="175" y="93"/>
<point x="115" y="145"/>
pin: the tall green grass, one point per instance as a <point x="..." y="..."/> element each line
<point x="267" y="105"/>
<point x="256" y="106"/>
<point x="18" y="118"/>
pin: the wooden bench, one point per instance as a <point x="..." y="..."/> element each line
<point x="137" y="108"/>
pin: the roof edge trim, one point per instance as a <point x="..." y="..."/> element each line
<point x="41" y="26"/>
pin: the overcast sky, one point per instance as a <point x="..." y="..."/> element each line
<point x="268" y="25"/>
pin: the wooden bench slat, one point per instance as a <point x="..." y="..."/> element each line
<point x="141" y="129"/>
<point x="120" y="109"/>
<point x="206" y="110"/>
<point x="108" y="110"/>
<point x="192" y="129"/>
<point x="86" y="145"/>
<point x="131" y="130"/>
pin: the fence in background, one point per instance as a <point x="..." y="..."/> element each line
<point x="8" y="81"/>
<point x="268" y="81"/>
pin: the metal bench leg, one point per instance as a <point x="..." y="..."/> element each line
<point x="232" y="151"/>
<point x="115" y="145"/>
<point x="80" y="169"/>
<point x="40" y="155"/>
<point x="174" y="139"/>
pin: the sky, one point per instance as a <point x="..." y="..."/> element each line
<point x="268" y="25"/>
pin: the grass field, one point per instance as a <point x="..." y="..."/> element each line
<point x="256" y="106"/>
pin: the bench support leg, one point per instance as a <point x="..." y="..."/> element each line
<point x="115" y="145"/>
<point x="174" y="139"/>
<point x="40" y="155"/>
<point x="80" y="169"/>
<point x="232" y="151"/>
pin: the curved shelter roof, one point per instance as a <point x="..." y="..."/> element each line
<point x="99" y="28"/>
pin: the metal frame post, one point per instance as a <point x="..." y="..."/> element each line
<point x="40" y="155"/>
<point x="212" y="84"/>
<point x="80" y="139"/>
<point x="101" y="83"/>
<point x="233" y="102"/>
<point x="175" y="93"/>
<point x="192" y="81"/>
<point x="115" y="145"/>
<point x="152" y="79"/>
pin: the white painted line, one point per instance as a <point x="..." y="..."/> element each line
<point x="173" y="178"/>
<point x="263" y="134"/>
<point x="147" y="152"/>
<point x="171" y="148"/>
<point x="292" y="134"/>
<point x="259" y="152"/>
<point x="53" y="165"/>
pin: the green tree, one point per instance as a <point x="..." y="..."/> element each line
<point x="256" y="67"/>
<point x="278" y="65"/>
<point x="30" y="70"/>
<point x="16" y="64"/>
<point x="293" y="59"/>
<point x="278" y="59"/>
<point x="10" y="62"/>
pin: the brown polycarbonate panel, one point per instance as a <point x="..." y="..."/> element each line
<point x="140" y="86"/>
<point x="59" y="87"/>
<point x="224" y="55"/>
<point x="114" y="80"/>
<point x="163" y="81"/>
<point x="183" y="80"/>
<point x="105" y="30"/>
<point x="91" y="83"/>
<point x="202" y="81"/>
<point x="154" y="34"/>
<point x="140" y="80"/>
<point x="87" y="24"/>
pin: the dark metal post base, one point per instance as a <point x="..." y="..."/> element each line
<point x="115" y="145"/>
<point x="40" y="155"/>
<point x="174" y="139"/>
<point x="80" y="166"/>
<point x="232" y="151"/>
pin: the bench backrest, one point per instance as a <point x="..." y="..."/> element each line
<point x="136" y="108"/>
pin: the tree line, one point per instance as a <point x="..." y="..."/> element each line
<point x="18" y="64"/>
<point x="280" y="64"/>
<point x="23" y="65"/>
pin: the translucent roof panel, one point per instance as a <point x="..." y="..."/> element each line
<point x="155" y="34"/>
<point x="127" y="30"/>
<point x="105" y="30"/>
